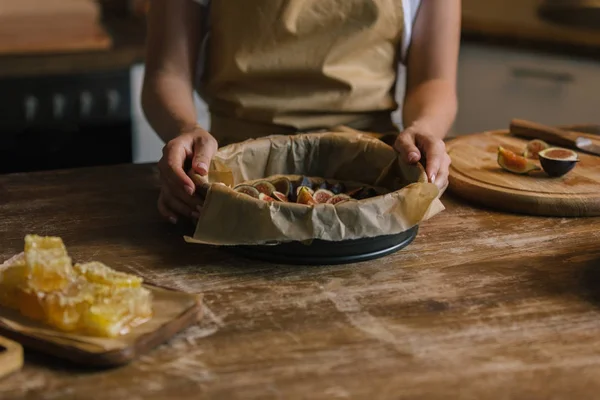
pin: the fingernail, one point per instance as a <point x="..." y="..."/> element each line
<point x="413" y="157"/>
<point x="189" y="190"/>
<point x="195" y="214"/>
<point x="432" y="178"/>
<point x="203" y="166"/>
<point x="173" y="220"/>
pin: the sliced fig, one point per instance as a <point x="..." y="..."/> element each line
<point x="337" y="188"/>
<point x="557" y="161"/>
<point x="339" y="198"/>
<point x="310" y="190"/>
<point x="280" y="196"/>
<point x="266" y="197"/>
<point x="322" y="195"/>
<point x="282" y="185"/>
<point x="534" y="147"/>
<point x="265" y="187"/>
<point x="248" y="190"/>
<point x="305" y="196"/>
<point x="514" y="163"/>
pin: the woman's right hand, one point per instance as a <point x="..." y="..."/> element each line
<point x="177" y="191"/>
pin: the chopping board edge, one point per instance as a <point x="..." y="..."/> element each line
<point x="517" y="201"/>
<point x="11" y="358"/>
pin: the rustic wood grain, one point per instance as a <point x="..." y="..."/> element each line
<point x="482" y="304"/>
<point x="476" y="176"/>
<point x="11" y="357"/>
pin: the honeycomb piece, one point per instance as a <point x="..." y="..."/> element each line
<point x="44" y="243"/>
<point x="98" y="272"/>
<point x="63" y="309"/>
<point x="91" y="298"/>
<point x="10" y="281"/>
<point x="116" y="313"/>
<point x="13" y="274"/>
<point x="31" y="303"/>
<point x="49" y="265"/>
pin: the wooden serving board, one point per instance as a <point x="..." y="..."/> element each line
<point x="476" y="176"/>
<point x="11" y="357"/>
<point x="173" y="312"/>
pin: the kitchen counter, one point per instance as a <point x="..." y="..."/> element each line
<point x="482" y="304"/>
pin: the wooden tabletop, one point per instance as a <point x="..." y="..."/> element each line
<point x="481" y="305"/>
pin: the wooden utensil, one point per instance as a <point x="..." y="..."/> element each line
<point x="476" y="176"/>
<point x="11" y="357"/>
<point x="173" y="312"/>
<point x="554" y="136"/>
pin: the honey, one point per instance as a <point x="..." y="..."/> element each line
<point x="89" y="298"/>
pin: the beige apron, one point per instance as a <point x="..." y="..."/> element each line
<point x="288" y="66"/>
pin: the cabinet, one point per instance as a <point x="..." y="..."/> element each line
<point x="496" y="84"/>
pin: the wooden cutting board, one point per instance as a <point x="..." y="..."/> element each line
<point x="11" y="357"/>
<point x="476" y="176"/>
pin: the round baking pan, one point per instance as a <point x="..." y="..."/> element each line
<point x="323" y="252"/>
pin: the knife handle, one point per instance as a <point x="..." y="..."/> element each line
<point x="548" y="134"/>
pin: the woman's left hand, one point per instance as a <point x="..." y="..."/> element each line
<point x="413" y="145"/>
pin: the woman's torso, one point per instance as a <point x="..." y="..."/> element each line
<point x="283" y="66"/>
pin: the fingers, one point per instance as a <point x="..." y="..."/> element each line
<point x="205" y="147"/>
<point x="442" y="176"/>
<point x="201" y="183"/>
<point x="164" y="210"/>
<point x="171" y="166"/>
<point x="191" y="201"/>
<point x="179" y="195"/>
<point x="170" y="207"/>
<point x="438" y="161"/>
<point x="406" y="146"/>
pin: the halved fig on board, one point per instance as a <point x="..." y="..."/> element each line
<point x="557" y="161"/>
<point x="514" y="163"/>
<point x="339" y="198"/>
<point x="280" y="196"/>
<point x="534" y="147"/>
<point x="322" y="195"/>
<point x="282" y="185"/>
<point x="247" y="189"/>
<point x="266" y="197"/>
<point x="305" y="196"/>
<point x="265" y="187"/>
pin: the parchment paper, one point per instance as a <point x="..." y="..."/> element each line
<point x="166" y="304"/>
<point x="231" y="218"/>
